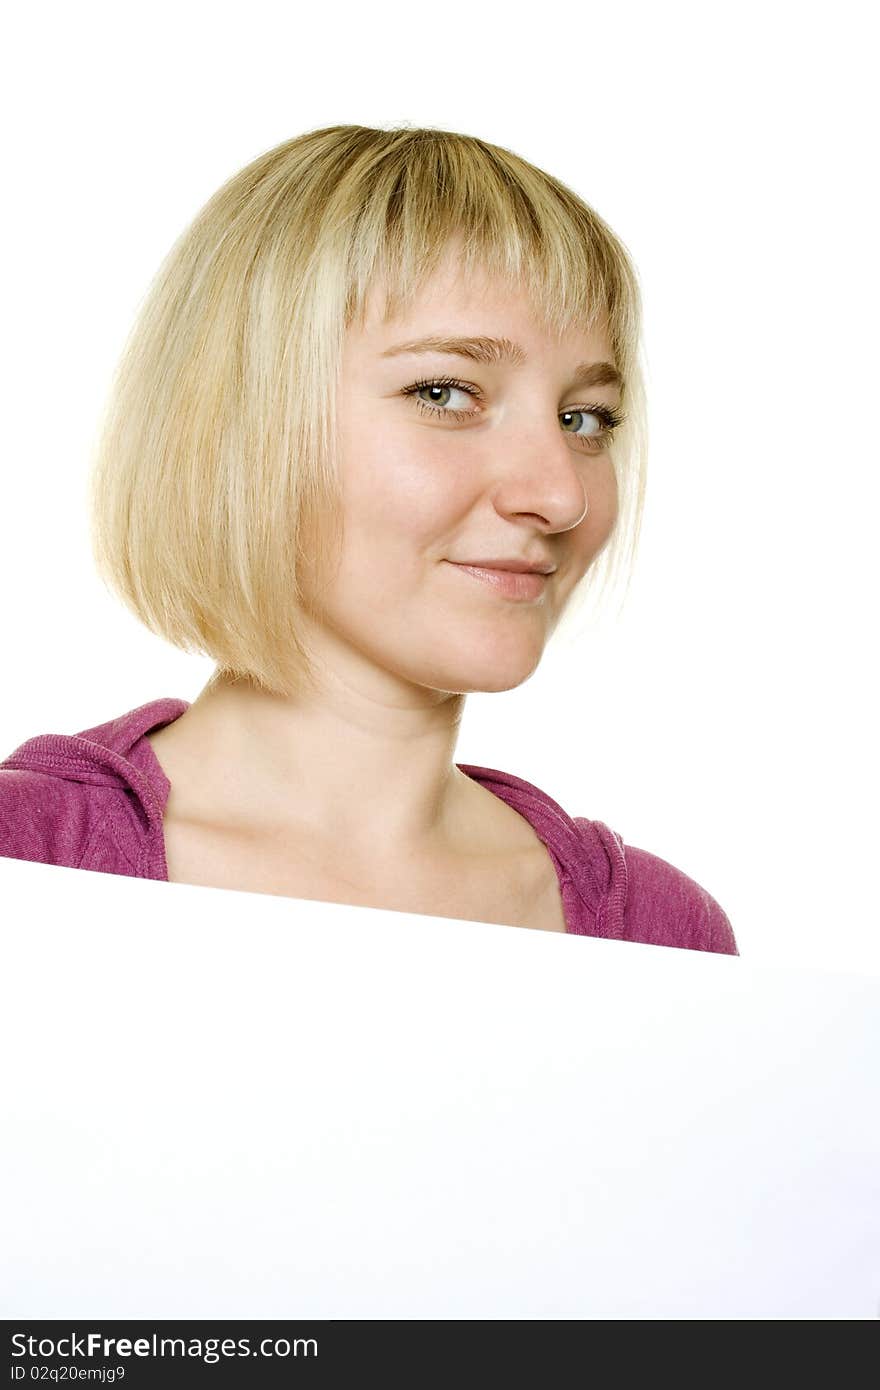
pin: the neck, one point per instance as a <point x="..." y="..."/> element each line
<point x="367" y="762"/>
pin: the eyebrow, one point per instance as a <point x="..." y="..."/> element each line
<point x="490" y="351"/>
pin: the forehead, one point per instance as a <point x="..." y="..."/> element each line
<point x="451" y="304"/>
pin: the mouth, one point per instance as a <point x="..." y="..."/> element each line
<point x="507" y="583"/>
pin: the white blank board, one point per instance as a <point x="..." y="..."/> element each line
<point x="231" y="1105"/>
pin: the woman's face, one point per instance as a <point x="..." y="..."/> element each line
<point x="501" y="474"/>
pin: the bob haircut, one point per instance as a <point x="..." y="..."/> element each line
<point x="214" y="477"/>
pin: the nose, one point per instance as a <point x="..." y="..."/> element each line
<point x="542" y="477"/>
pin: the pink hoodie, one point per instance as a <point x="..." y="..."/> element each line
<point x="95" y="800"/>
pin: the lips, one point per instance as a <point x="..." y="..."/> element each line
<point x="508" y="583"/>
<point x="514" y="565"/>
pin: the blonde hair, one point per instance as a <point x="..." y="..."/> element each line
<point x="214" y="476"/>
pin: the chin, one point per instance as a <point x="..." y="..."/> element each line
<point x="465" y="676"/>
<point x="499" y="682"/>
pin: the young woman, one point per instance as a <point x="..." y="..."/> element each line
<point x="379" y="424"/>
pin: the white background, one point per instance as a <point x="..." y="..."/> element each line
<point x="724" y="723"/>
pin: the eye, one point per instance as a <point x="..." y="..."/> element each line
<point x="601" y="420"/>
<point x="442" y="387"/>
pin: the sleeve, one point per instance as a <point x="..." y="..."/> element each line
<point x="665" y="907"/>
<point x="24" y="833"/>
<point x="42" y="818"/>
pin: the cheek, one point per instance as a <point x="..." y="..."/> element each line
<point x="596" y="527"/>
<point x="607" y="503"/>
<point x="405" y="498"/>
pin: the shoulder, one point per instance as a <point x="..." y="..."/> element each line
<point x="612" y="889"/>
<point x="88" y="800"/>
<point x="665" y="906"/>
<point x="53" y="820"/>
<point x="42" y="817"/>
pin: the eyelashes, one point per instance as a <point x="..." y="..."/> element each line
<point x="609" y="418"/>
